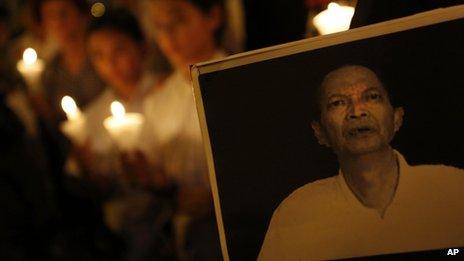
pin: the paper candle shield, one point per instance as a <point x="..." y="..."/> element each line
<point x="75" y="130"/>
<point x="125" y="131"/>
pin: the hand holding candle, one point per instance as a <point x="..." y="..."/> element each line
<point x="31" y="68"/>
<point x="124" y="128"/>
<point x="74" y="128"/>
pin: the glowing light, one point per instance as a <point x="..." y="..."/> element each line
<point x="124" y="128"/>
<point x="29" y="56"/>
<point x="333" y="6"/>
<point x="335" y="18"/>
<point x="69" y="106"/>
<point x="118" y="111"/>
<point x="98" y="9"/>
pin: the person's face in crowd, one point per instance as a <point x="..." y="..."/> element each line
<point x="185" y="33"/>
<point x="117" y="57"/>
<point x="63" y="21"/>
<point x="356" y="114"/>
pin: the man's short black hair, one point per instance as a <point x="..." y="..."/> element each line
<point x="206" y="6"/>
<point x="317" y="92"/>
<point x="118" y="20"/>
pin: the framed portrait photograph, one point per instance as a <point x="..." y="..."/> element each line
<point x="339" y="146"/>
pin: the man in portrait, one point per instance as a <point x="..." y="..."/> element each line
<point x="377" y="203"/>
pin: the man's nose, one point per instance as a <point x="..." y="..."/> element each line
<point x="357" y="110"/>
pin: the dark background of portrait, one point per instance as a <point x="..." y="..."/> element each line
<point x="259" y="116"/>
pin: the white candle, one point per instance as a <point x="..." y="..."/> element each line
<point x="31" y="69"/>
<point x="70" y="108"/>
<point x="124" y="128"/>
<point x="29" y="56"/>
<point x="74" y="128"/>
<point x="118" y="111"/>
<point x="335" y="18"/>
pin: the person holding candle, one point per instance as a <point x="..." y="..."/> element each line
<point x="188" y="32"/>
<point x="12" y="85"/>
<point x="117" y="49"/>
<point x="32" y="36"/>
<point x="69" y="72"/>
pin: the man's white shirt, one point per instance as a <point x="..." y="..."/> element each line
<point x="325" y="220"/>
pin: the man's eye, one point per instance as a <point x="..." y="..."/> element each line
<point x="336" y="103"/>
<point x="374" y="96"/>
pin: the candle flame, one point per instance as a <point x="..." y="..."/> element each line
<point x="69" y="105"/>
<point x="117" y="109"/>
<point x="333" y="6"/>
<point x="335" y="18"/>
<point x="29" y="56"/>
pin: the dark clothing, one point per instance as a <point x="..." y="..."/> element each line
<point x="28" y="208"/>
<point x="58" y="81"/>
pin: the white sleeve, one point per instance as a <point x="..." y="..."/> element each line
<point x="273" y="246"/>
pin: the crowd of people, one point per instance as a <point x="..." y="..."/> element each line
<point x="69" y="200"/>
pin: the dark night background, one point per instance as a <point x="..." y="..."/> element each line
<point x="259" y="116"/>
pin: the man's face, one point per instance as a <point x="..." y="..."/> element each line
<point x="62" y="20"/>
<point x="356" y="114"/>
<point x="184" y="32"/>
<point x="117" y="58"/>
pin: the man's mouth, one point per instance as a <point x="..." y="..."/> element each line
<point x="359" y="131"/>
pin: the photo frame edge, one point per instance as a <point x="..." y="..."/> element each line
<point x="195" y="73"/>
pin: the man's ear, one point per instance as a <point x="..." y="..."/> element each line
<point x="398" y="118"/>
<point x="319" y="133"/>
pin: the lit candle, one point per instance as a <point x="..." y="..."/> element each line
<point x="31" y="68"/>
<point x="118" y="111"/>
<point x="124" y="128"/>
<point x="335" y="18"/>
<point x="70" y="108"/>
<point x="74" y="128"/>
